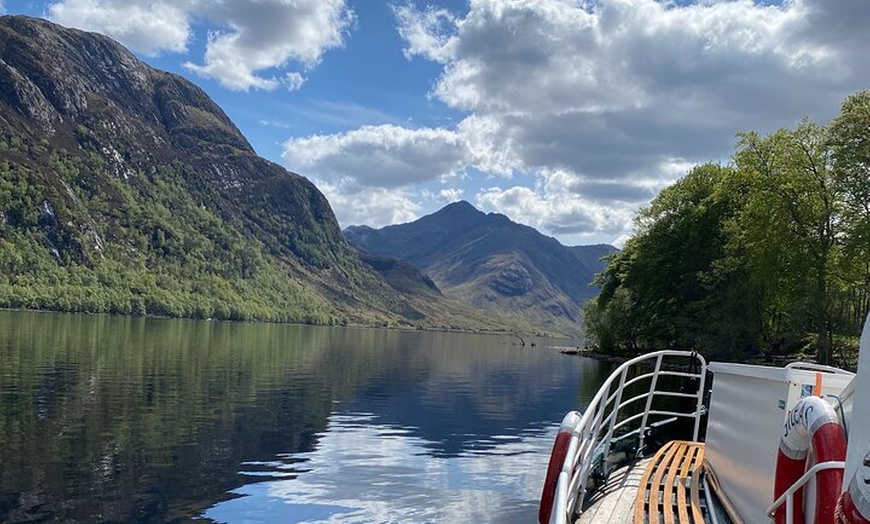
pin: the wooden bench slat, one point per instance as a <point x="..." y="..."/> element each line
<point x="640" y="500"/>
<point x="673" y="470"/>
<point x="696" y="484"/>
<point x="670" y="485"/>
<point x="653" y="509"/>
<point x="688" y="462"/>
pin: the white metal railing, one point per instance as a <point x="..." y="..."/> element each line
<point x="788" y="496"/>
<point x="593" y="435"/>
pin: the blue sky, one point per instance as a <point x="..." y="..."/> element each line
<point x="567" y="115"/>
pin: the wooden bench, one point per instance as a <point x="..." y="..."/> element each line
<point x="662" y="494"/>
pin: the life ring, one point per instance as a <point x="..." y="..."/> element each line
<point x="557" y="458"/>
<point x="811" y="422"/>
<point x="854" y="505"/>
<point x="848" y="511"/>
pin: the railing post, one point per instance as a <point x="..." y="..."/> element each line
<point x="649" y="399"/>
<point x="617" y="404"/>
<point x="787" y="497"/>
<point x="590" y="449"/>
<point x="700" y="403"/>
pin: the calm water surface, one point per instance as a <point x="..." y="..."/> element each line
<point x="146" y="420"/>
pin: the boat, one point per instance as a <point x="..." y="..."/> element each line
<point x="670" y="438"/>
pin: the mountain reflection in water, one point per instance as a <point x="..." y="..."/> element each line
<point x="153" y="420"/>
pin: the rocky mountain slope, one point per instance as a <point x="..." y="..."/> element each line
<point x="490" y="262"/>
<point x="126" y="189"/>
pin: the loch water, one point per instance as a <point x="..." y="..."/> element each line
<point x="112" y="419"/>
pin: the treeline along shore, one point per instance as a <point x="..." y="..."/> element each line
<point x="767" y="256"/>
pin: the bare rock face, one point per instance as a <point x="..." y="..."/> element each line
<point x="513" y="280"/>
<point x="20" y="92"/>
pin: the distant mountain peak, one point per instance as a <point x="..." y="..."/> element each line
<point x="360" y="228"/>
<point x="458" y="210"/>
<point x="490" y="261"/>
<point x="460" y="205"/>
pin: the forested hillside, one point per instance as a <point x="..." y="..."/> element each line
<point x="769" y="255"/>
<point x="135" y="246"/>
<point x="127" y="190"/>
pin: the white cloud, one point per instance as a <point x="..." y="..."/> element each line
<point x="369" y="174"/>
<point x="293" y="81"/>
<point x="452" y="194"/>
<point x="386" y="156"/>
<point x="606" y="102"/>
<point x="268" y="34"/>
<point x="251" y="40"/>
<point x="555" y="206"/>
<point x="479" y="133"/>
<point x="427" y="33"/>
<point x="624" y="84"/>
<point x="146" y="27"/>
<point x="375" y="207"/>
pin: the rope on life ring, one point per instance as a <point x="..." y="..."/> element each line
<point x="811" y="422"/>
<point x="557" y="458"/>
<point x="854" y="504"/>
<point x="848" y="511"/>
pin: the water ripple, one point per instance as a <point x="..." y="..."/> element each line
<point x="366" y="471"/>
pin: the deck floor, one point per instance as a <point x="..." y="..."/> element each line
<point x="614" y="502"/>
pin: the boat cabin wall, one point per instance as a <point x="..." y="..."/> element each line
<point x="748" y="407"/>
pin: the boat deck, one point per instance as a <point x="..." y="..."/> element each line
<point x="614" y="501"/>
<point x="664" y="489"/>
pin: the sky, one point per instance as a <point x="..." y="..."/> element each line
<point x="566" y="115"/>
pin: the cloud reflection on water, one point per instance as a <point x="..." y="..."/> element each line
<point x="364" y="471"/>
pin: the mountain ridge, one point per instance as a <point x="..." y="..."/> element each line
<point x="491" y="262"/>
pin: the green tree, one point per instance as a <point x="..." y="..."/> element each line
<point x="770" y="255"/>
<point x="788" y="232"/>
<point x="656" y="292"/>
<point x="850" y="151"/>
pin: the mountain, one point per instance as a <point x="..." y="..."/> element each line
<point x="490" y="262"/>
<point x="126" y="189"/>
<point x="593" y="256"/>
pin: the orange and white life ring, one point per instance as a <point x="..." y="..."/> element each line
<point x="811" y="422"/>
<point x="557" y="459"/>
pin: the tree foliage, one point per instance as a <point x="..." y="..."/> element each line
<point x="769" y="255"/>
